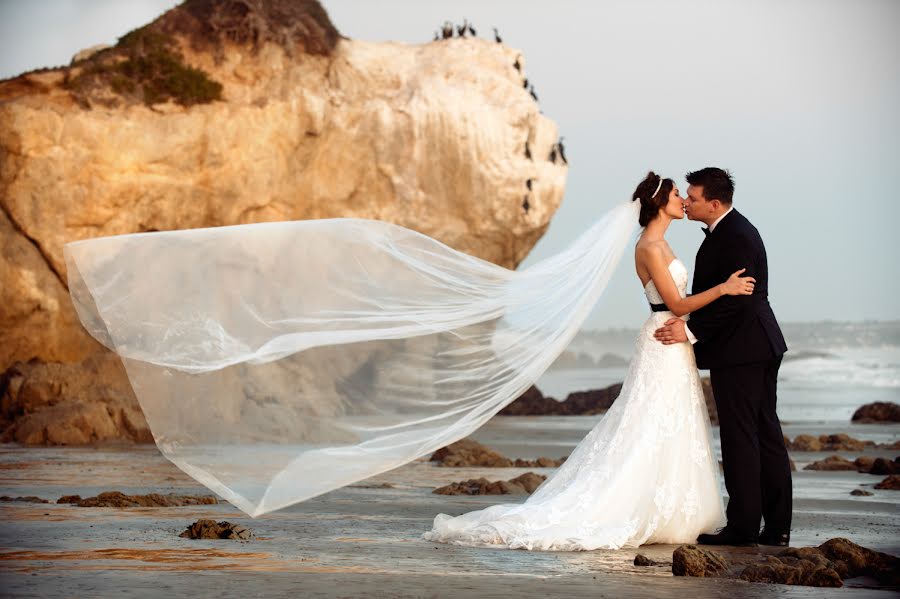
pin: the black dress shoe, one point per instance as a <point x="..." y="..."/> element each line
<point x="775" y="539"/>
<point x="726" y="536"/>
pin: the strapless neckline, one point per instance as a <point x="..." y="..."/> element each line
<point x="674" y="260"/>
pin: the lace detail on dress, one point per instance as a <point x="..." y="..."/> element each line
<point x="644" y="474"/>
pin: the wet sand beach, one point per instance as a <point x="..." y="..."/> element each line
<point x="363" y="540"/>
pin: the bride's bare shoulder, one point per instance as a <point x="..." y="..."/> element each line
<point x="647" y="249"/>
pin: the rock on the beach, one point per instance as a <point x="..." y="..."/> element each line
<point x="69" y="499"/>
<point x="210" y="529"/>
<point x="884" y="466"/>
<point x="643" y="560"/>
<point x="810" y="570"/>
<point x="833" y="462"/>
<point x="854" y="560"/>
<point x="584" y="403"/>
<point x="861" y="493"/>
<point x="118" y="499"/>
<point x="879" y="411"/>
<point x="837" y="442"/>
<point x="468" y="452"/>
<point x="25" y="499"/>
<point x="690" y="560"/>
<point x="879" y="466"/>
<point x="534" y="403"/>
<point x="520" y="485"/>
<point x="891" y="483"/>
<point x="827" y="565"/>
<point x="307" y="125"/>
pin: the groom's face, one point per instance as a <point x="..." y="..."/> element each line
<point x="696" y="206"/>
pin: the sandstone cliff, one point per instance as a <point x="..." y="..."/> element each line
<point x="239" y="112"/>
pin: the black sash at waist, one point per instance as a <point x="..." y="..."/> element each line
<point x="659" y="307"/>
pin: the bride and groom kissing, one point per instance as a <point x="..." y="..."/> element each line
<point x="646" y="473"/>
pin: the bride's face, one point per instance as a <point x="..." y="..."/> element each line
<point x="675" y="206"/>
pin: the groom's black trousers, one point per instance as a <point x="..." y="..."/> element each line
<point x="757" y="468"/>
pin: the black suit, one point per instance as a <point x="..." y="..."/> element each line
<point x="739" y="341"/>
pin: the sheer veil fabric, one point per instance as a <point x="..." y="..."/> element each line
<point x="278" y="361"/>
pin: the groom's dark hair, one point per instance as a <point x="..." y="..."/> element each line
<point x="717" y="183"/>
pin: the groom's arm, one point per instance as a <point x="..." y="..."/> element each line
<point x="739" y="252"/>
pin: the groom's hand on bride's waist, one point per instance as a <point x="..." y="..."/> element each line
<point x="671" y="332"/>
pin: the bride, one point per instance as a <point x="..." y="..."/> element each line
<point x="646" y="473"/>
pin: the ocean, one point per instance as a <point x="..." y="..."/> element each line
<point x="830" y="370"/>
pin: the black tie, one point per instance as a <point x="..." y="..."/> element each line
<point x="705" y="230"/>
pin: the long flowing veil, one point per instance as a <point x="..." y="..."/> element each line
<point x="277" y="361"/>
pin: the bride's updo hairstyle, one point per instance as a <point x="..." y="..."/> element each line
<point x="651" y="202"/>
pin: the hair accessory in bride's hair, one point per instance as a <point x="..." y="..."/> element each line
<point x="657" y="188"/>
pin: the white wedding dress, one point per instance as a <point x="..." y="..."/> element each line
<point x="646" y="473"/>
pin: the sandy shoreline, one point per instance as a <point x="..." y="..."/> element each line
<point x="364" y="539"/>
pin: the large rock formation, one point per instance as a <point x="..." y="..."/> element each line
<point x="240" y="112"/>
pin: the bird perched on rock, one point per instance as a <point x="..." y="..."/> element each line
<point x="525" y="204"/>
<point x="533" y="95"/>
<point x="447" y="30"/>
<point x="527" y="151"/>
<point x="497" y="37"/>
<point x="552" y="156"/>
<point x="525" y="83"/>
<point x="461" y="29"/>
<point x="517" y="65"/>
<point x="472" y="31"/>
<point x="528" y="184"/>
<point x="562" y="150"/>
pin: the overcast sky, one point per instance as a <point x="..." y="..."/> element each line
<point x="798" y="98"/>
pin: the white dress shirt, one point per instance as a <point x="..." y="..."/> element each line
<point x="687" y="329"/>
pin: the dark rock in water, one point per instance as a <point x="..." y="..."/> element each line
<point x="832" y="463"/>
<point x="468" y="452"/>
<point x="879" y="466"/>
<point x="584" y="403"/>
<point x="27" y="499"/>
<point x="827" y="565"/>
<point x="69" y="499"/>
<point x="882" y="466"/>
<point x="838" y="442"/>
<point x="521" y="485"/>
<point x="891" y="483"/>
<point x="853" y="560"/>
<point x="864" y="463"/>
<point x="596" y="401"/>
<point x="812" y="569"/>
<point x="531" y="403"/>
<point x="118" y="499"/>
<point x="643" y="560"/>
<point x="210" y="529"/>
<point x="539" y="463"/>
<point x="861" y="493"/>
<point x="690" y="560"/>
<point x="879" y="411"/>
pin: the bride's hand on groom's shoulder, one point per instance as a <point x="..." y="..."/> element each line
<point x="671" y="332"/>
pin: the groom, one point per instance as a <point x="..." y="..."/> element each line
<point x="738" y="339"/>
